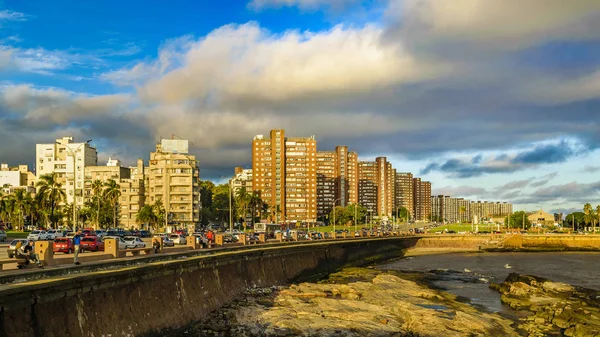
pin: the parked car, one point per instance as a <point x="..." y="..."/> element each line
<point x="63" y="245"/>
<point x="167" y="242"/>
<point x="52" y="234"/>
<point x="100" y="233"/>
<point x="92" y="243"/>
<point x="178" y="239"/>
<point x="88" y="232"/>
<point x="37" y="235"/>
<point x="10" y="251"/>
<point x="2" y="235"/>
<point x="134" y="242"/>
<point x="120" y="241"/>
<point x="145" y="234"/>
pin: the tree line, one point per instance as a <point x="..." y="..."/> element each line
<point x="48" y="208"/>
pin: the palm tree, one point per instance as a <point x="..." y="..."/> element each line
<point x="112" y="193"/>
<point x="97" y="189"/>
<point x="19" y="200"/>
<point x="242" y="199"/>
<point x="147" y="215"/>
<point x="159" y="211"/>
<point x="588" y="213"/>
<point x="254" y="201"/>
<point x="52" y="193"/>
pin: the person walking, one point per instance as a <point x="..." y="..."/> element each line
<point x="77" y="245"/>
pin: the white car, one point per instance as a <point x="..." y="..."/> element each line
<point x="54" y="234"/>
<point x="134" y="242"/>
<point x="122" y="243"/>
<point x="100" y="234"/>
<point x="178" y="239"/>
<point x="37" y="236"/>
<point x="167" y="242"/>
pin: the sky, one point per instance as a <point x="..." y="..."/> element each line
<point x="488" y="100"/>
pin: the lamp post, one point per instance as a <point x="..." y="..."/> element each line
<point x="73" y="155"/>
<point x="230" y="209"/>
<point x="336" y="200"/>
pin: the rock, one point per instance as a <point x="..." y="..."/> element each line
<point x="554" y="306"/>
<point x="369" y="303"/>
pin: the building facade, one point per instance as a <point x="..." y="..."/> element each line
<point x="242" y="178"/>
<point x="404" y="196"/>
<point x="284" y="172"/>
<point x="326" y="182"/>
<point x="19" y="177"/>
<point x="367" y="186"/>
<point x="422" y="200"/>
<point x="69" y="160"/>
<point x="173" y="178"/>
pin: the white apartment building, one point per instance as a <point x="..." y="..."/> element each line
<point x="242" y="179"/>
<point x="69" y="160"/>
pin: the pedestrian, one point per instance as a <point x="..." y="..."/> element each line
<point x="77" y="245"/>
<point x="28" y="253"/>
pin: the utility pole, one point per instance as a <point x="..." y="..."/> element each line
<point x="230" y="210"/>
<point x="523" y="221"/>
<point x="355" y="217"/>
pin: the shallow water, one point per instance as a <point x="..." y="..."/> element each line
<point x="581" y="269"/>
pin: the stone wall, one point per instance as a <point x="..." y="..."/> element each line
<point x="139" y="300"/>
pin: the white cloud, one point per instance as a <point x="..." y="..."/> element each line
<point x="7" y="15"/>
<point x="302" y="4"/>
<point x="247" y="61"/>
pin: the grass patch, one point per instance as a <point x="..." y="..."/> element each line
<point x="464" y="227"/>
<point x="16" y="234"/>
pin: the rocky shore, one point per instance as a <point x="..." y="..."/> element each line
<point x="557" y="309"/>
<point x="352" y="302"/>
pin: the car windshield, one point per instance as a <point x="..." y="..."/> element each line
<point x="61" y="240"/>
<point x="174" y="236"/>
<point x="88" y="239"/>
<point x="35" y="232"/>
<point x="14" y="242"/>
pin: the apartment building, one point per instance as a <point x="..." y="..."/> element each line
<point x="242" y="178"/>
<point x="404" y="192"/>
<point x="367" y="186"/>
<point x="353" y="177"/>
<point x="300" y="179"/>
<point x="172" y="177"/>
<point x="69" y="160"/>
<point x="284" y="172"/>
<point x="422" y="199"/>
<point x="131" y="182"/>
<point x="268" y="170"/>
<point x="18" y="177"/>
<point x="326" y="182"/>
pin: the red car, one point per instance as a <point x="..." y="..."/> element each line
<point x="88" y="232"/>
<point x="63" y="245"/>
<point x="92" y="243"/>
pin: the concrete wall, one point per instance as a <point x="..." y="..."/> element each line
<point x="141" y="299"/>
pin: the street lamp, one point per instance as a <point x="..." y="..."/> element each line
<point x="336" y="200"/>
<point x="73" y="155"/>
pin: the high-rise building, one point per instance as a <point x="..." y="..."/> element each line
<point x="404" y="192"/>
<point x="367" y="186"/>
<point x="173" y="178"/>
<point x="69" y="160"/>
<point x="300" y="179"/>
<point x="326" y="182"/>
<point x="131" y="183"/>
<point x="422" y="199"/>
<point x="385" y="187"/>
<point x="284" y="172"/>
<point x="352" y="178"/>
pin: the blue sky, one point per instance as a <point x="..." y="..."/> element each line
<point x="487" y="100"/>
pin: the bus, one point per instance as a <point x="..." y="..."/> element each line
<point x="267" y="228"/>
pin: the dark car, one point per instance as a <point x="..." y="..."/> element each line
<point x="63" y="245"/>
<point x="10" y="251"/>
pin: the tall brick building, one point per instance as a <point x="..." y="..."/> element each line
<point x="284" y="172"/>
<point x="422" y="199"/>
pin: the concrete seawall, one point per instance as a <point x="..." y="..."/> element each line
<point x="138" y="300"/>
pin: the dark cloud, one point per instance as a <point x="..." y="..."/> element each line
<point x="506" y="163"/>
<point x="573" y="192"/>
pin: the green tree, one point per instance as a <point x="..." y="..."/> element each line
<point x="242" y="200"/>
<point x="52" y="193"/>
<point x="462" y="210"/>
<point x="517" y="219"/>
<point x="97" y="190"/>
<point x="146" y="215"/>
<point x="590" y="217"/>
<point x="575" y="219"/>
<point x="112" y="193"/>
<point x="255" y="203"/>
<point x="19" y="200"/>
<point x="159" y="212"/>
<point x="345" y="215"/>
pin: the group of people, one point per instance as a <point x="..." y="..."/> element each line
<point x="27" y="251"/>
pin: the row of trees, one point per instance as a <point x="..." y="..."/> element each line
<point x="48" y="207"/>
